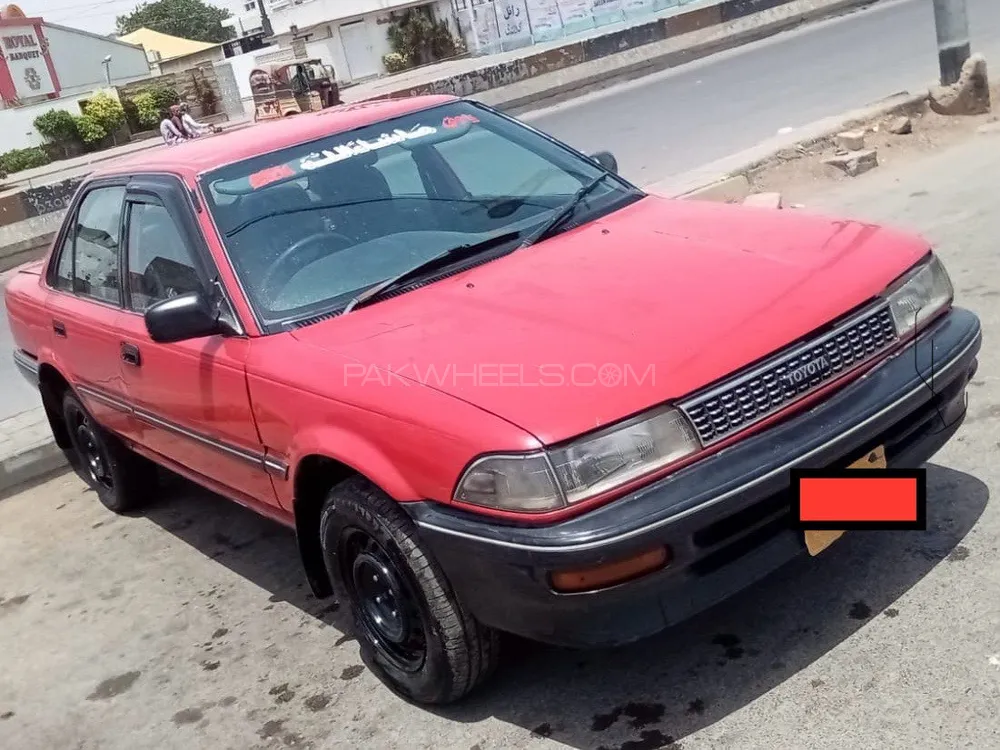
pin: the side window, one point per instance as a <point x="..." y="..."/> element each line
<point x="160" y="264"/>
<point x="64" y="270"/>
<point x="515" y="170"/>
<point x="96" y="246"/>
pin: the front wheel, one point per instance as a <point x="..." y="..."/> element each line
<point x="122" y="479"/>
<point x="411" y="627"/>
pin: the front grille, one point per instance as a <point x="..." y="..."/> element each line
<point x="752" y="396"/>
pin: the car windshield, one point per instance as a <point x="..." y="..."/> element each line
<point x="310" y="227"/>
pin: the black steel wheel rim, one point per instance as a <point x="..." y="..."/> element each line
<point x="384" y="600"/>
<point x="91" y="450"/>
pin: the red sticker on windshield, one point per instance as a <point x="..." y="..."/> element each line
<point x="458" y="121"/>
<point x="269" y="175"/>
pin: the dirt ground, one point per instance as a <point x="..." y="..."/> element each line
<point x="798" y="173"/>
<point x="190" y="625"/>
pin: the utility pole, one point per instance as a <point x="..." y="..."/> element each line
<point x="952" y="22"/>
<point x="265" y="20"/>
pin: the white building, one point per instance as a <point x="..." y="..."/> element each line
<point x="353" y="32"/>
<point x="246" y="18"/>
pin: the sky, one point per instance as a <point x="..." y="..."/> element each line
<point x="97" y="16"/>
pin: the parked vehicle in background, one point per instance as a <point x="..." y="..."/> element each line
<point x="293" y="88"/>
<point x="492" y="385"/>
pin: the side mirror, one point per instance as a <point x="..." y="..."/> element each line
<point x="607" y="160"/>
<point x="186" y="316"/>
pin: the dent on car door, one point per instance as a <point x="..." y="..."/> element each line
<point x="190" y="397"/>
<point x="85" y="304"/>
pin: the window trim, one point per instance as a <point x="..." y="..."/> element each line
<point x="171" y="191"/>
<point x="69" y="227"/>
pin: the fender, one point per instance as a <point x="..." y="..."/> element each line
<point x="352" y="450"/>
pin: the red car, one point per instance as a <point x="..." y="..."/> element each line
<point x="493" y="386"/>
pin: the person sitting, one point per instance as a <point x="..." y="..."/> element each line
<point x="192" y="126"/>
<point x="172" y="135"/>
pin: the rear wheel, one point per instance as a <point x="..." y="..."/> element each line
<point x="411" y="627"/>
<point x="122" y="479"/>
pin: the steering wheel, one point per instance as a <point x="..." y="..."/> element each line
<point x="318" y="242"/>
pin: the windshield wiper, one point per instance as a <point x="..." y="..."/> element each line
<point x="563" y="213"/>
<point x="455" y="253"/>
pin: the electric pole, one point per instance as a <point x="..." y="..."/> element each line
<point x="265" y="20"/>
<point x="954" y="49"/>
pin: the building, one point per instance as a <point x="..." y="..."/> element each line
<point x="353" y="33"/>
<point x="45" y="61"/>
<point x="170" y="54"/>
<point x="246" y="19"/>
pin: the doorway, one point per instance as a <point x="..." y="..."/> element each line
<point x="358" y="50"/>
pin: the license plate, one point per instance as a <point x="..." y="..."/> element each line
<point x="818" y="540"/>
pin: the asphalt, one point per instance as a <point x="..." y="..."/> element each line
<point x="671" y="122"/>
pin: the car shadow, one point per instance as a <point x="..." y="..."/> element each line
<point x="663" y="689"/>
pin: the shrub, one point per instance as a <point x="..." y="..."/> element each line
<point x="91" y="130"/>
<point x="57" y="125"/>
<point x="395" y="62"/>
<point x="106" y="111"/>
<point x="418" y="38"/>
<point x="147" y="110"/>
<point x="23" y="158"/>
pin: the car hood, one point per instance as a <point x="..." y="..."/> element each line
<point x="645" y="305"/>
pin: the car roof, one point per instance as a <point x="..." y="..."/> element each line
<point x="204" y="154"/>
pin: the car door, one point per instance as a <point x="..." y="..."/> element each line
<point x="189" y="397"/>
<point x="85" y="302"/>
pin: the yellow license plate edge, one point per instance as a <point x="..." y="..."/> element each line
<point x="818" y="540"/>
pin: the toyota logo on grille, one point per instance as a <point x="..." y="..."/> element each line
<point x="811" y="368"/>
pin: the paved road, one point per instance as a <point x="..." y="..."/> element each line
<point x="189" y="626"/>
<point x="671" y="122"/>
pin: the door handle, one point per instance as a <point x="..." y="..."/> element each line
<point x="130" y="355"/>
<point x="59" y="328"/>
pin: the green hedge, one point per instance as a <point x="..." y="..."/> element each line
<point x="23" y="158"/>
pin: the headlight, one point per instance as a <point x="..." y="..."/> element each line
<point x="553" y="479"/>
<point x="918" y="296"/>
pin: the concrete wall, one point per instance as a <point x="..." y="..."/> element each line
<point x="17" y="123"/>
<point x="179" y="64"/>
<point x="78" y="59"/>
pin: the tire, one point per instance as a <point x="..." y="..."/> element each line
<point x="123" y="480"/>
<point x="435" y="653"/>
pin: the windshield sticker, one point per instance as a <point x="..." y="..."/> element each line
<point x="459" y="121"/>
<point x="361" y="146"/>
<point x="269" y="175"/>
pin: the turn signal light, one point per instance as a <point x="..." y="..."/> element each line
<point x="612" y="573"/>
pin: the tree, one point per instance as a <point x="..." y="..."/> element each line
<point x="189" y="19"/>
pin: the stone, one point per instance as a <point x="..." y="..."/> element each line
<point x="855" y="163"/>
<point x="851" y="140"/>
<point x="970" y="96"/>
<point x="763" y="200"/>
<point x="900" y="126"/>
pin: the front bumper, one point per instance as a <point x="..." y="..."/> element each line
<point x="727" y="519"/>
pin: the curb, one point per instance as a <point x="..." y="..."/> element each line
<point x="729" y="178"/>
<point x="726" y="180"/>
<point x="31" y="466"/>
